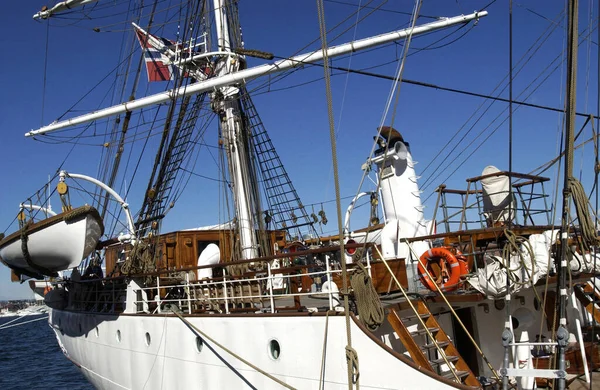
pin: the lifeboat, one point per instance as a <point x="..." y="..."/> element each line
<point x="54" y="244"/>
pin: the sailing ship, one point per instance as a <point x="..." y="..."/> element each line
<point x="263" y="299"/>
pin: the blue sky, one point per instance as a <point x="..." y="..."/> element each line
<point x="295" y="114"/>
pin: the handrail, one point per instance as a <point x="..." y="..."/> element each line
<point x="441" y="293"/>
<point x="418" y="317"/>
<point x="534" y="178"/>
<point x="325" y="249"/>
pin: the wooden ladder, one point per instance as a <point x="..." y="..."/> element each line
<point x="420" y="352"/>
<point x="589" y="297"/>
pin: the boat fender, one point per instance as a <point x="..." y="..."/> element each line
<point x="451" y="269"/>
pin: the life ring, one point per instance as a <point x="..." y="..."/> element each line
<point x="445" y="268"/>
<point x="47" y="290"/>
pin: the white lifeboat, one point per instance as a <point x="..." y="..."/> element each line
<point x="54" y="244"/>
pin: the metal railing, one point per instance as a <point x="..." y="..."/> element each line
<point x="266" y="288"/>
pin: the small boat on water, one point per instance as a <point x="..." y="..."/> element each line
<point x="54" y="244"/>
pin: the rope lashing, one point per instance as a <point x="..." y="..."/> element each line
<point x="581" y="202"/>
<point x="352" y="360"/>
<point x="27" y="256"/>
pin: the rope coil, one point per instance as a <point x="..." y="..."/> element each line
<point x="368" y="304"/>
<point x="581" y="202"/>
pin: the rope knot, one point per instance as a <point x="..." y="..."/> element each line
<point x="352" y="360"/>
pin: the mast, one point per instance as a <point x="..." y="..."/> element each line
<point x="226" y="103"/>
<point x="562" y="335"/>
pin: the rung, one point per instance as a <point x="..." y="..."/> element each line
<point x="424" y="331"/>
<point x="459" y="374"/>
<point x="414" y="317"/>
<point x="450" y="359"/>
<point x="442" y="344"/>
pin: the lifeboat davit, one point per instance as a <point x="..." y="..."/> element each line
<point x="54" y="244"/>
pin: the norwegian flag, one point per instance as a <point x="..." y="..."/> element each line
<point x="157" y="64"/>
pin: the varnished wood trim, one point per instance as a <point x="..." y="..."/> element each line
<point x="406" y="360"/>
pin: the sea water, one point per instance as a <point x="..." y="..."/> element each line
<point x="30" y="358"/>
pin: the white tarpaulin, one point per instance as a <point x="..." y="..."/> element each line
<point x="496" y="197"/>
<point x="525" y="270"/>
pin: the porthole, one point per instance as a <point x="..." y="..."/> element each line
<point x="118" y="336"/>
<point x="96" y="332"/>
<point x="274" y="349"/>
<point x="499" y="304"/>
<point x="199" y="344"/>
<point x="148" y="339"/>
<point x="515" y="322"/>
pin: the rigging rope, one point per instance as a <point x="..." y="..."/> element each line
<point x="22" y="323"/>
<point x="139" y="260"/>
<point x="351" y="355"/>
<point x="324" y="353"/>
<point x="195" y="328"/>
<point x="368" y="304"/>
<point x="581" y="202"/>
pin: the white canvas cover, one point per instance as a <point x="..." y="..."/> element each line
<point x="491" y="279"/>
<point x="496" y="197"/>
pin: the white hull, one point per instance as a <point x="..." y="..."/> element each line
<point x="172" y="360"/>
<point x="57" y="247"/>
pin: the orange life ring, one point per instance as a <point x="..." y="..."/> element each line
<point x="444" y="266"/>
<point x="47" y="290"/>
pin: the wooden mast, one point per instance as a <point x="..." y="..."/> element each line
<point x="562" y="335"/>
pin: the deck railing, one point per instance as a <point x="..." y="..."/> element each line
<point x="265" y="287"/>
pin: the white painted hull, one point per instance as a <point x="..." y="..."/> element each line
<point x="57" y="247"/>
<point x="172" y="360"/>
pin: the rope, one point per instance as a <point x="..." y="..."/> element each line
<point x="189" y="324"/>
<point x="588" y="231"/>
<point x="513" y="248"/>
<point x="324" y="354"/>
<point x="419" y="318"/>
<point x="23" y="323"/>
<point x="370" y="311"/>
<point x="11" y="321"/>
<point x="140" y="260"/>
<point x="456" y="317"/>
<point x="351" y="360"/>
<point x="79" y="212"/>
<point x="27" y="256"/>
